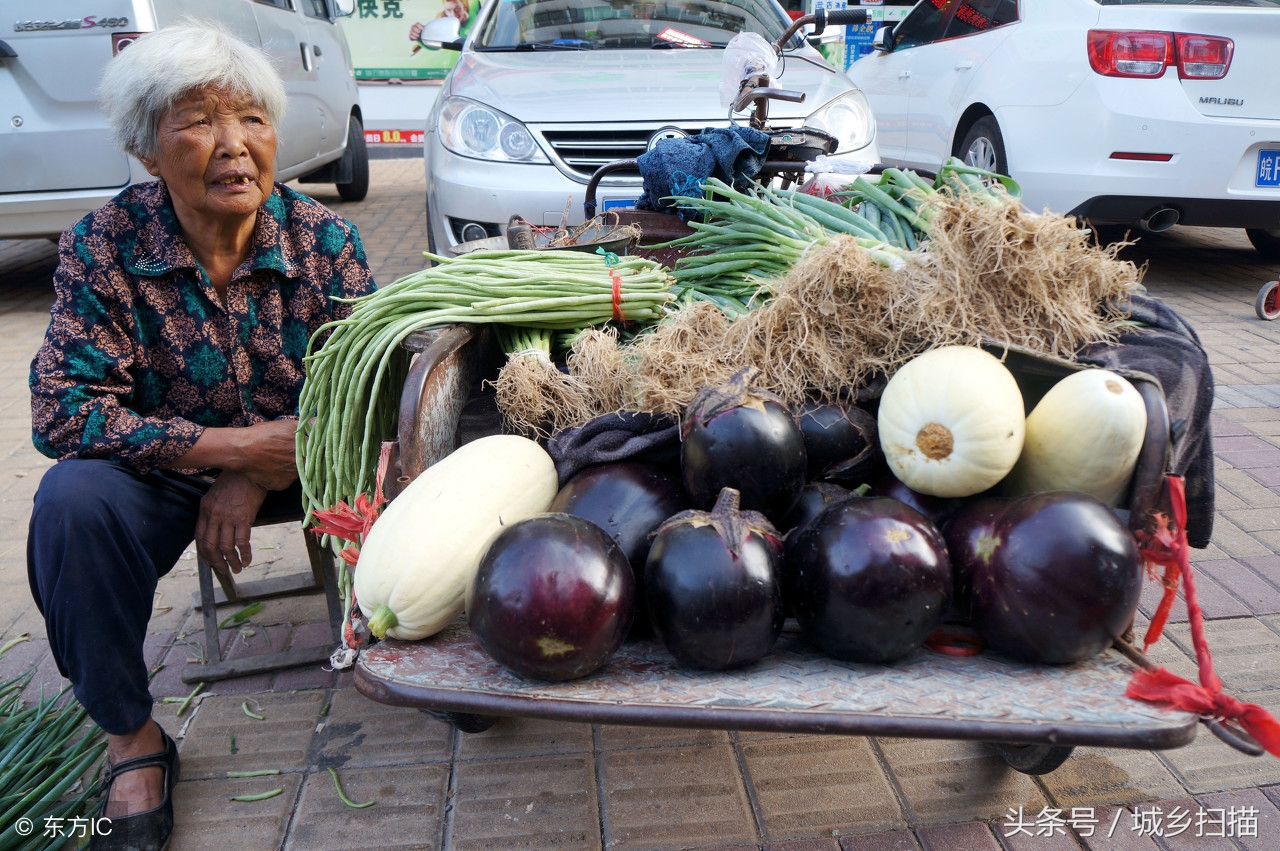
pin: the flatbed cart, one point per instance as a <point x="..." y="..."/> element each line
<point x="1035" y="715"/>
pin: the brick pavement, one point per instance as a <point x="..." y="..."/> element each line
<point x="539" y="784"/>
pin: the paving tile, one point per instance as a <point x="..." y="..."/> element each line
<point x="360" y="733"/>
<point x="1246" y="654"/>
<point x="616" y="736"/>
<point x="820" y="786"/>
<point x="526" y="737"/>
<point x="1246" y="487"/>
<point x="1267" y="476"/>
<point x="1234" y="541"/>
<point x="1209" y="765"/>
<point x="407" y="812"/>
<point x="1057" y="837"/>
<point x="1111" y="830"/>
<point x="1261" y="597"/>
<point x="804" y="845"/>
<point x="944" y="780"/>
<point x="280" y="741"/>
<point x="1222" y="427"/>
<point x="205" y="817"/>
<point x="1268" y="567"/>
<point x="1092" y="777"/>
<point x="529" y="802"/>
<point x="1252" y="818"/>
<point x="897" y="840"/>
<point x="674" y="798"/>
<point x="962" y="836"/>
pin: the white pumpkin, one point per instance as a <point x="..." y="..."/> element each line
<point x="951" y="422"/>
<point x="423" y="551"/>
<point x="1084" y="435"/>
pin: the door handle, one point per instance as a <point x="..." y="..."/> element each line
<point x="964" y="66"/>
<point x="902" y="75"/>
<point x="306" y="56"/>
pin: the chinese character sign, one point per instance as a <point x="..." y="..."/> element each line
<point x="383" y="35"/>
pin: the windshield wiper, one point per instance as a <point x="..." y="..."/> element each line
<point x="663" y="44"/>
<point x="558" y="44"/>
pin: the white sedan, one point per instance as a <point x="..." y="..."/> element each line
<point x="546" y="91"/>
<point x="1117" y="111"/>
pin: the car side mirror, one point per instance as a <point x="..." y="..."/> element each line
<point x="883" y="39"/>
<point x="441" y="34"/>
<point x="344" y="8"/>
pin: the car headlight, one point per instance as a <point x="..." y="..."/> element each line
<point x="848" y="118"/>
<point x="471" y="129"/>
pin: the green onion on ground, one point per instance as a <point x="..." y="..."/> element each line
<point x="46" y="750"/>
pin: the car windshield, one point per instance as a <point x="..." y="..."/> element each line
<point x="591" y="24"/>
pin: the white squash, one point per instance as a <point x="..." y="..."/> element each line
<point x="951" y="422"/>
<point x="1084" y="435"/>
<point x="423" y="551"/>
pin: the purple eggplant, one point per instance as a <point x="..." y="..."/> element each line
<point x="712" y="586"/>
<point x="737" y="436"/>
<point x="1061" y="582"/>
<point x="628" y="500"/>
<point x="972" y="541"/>
<point x="872" y="579"/>
<point x="840" y="441"/>
<point x="552" y="597"/>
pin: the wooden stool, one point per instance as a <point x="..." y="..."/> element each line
<point x="323" y="577"/>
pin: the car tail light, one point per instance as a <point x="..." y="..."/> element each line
<point x="119" y="41"/>
<point x="1141" y="53"/>
<point x="1116" y="53"/>
<point x="1203" y="57"/>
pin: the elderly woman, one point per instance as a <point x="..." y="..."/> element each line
<point x="167" y="384"/>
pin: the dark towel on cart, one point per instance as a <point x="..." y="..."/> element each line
<point x="1167" y="349"/>
<point x="622" y="436"/>
<point x="679" y="166"/>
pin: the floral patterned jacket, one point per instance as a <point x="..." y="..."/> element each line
<point x="141" y="355"/>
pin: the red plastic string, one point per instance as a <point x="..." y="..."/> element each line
<point x="617" y="297"/>
<point x="1158" y="686"/>
<point x="955" y="641"/>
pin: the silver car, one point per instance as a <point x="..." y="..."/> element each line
<point x="546" y="91"/>
<point x="57" y="160"/>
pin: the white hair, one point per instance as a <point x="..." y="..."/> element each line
<point x="158" y="70"/>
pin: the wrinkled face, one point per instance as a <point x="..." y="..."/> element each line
<point x="216" y="152"/>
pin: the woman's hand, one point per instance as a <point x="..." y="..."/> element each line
<point x="263" y="452"/>
<point x="226" y="516"/>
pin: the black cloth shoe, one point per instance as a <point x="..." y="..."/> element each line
<point x="148" y="830"/>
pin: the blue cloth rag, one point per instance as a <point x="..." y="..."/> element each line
<point x="679" y="166"/>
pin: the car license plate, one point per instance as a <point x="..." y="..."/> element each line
<point x="1268" y="168"/>
<point x="623" y="203"/>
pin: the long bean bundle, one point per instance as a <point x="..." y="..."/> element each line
<point x="350" y="399"/>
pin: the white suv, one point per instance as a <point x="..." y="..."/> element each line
<point x="1118" y="111"/>
<point x="57" y="160"/>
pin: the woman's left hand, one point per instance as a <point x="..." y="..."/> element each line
<point x="227" y="512"/>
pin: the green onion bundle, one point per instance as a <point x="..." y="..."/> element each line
<point x="350" y="399"/>
<point x="45" y="749"/>
<point x="747" y="237"/>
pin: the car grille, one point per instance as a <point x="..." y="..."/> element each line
<point x="582" y="151"/>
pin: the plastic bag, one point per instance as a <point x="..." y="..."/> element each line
<point x="746" y="53"/>
<point x="831" y="174"/>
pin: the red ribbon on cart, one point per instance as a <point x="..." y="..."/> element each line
<point x="1168" y="547"/>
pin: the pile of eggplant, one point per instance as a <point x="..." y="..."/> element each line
<point x="777" y="512"/>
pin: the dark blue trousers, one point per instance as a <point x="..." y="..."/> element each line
<point x="101" y="537"/>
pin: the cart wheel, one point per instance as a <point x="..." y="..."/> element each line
<point x="1268" y="303"/>
<point x="1033" y="759"/>
<point x="466" y="722"/>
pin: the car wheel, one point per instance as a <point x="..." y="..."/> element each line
<point x="1266" y="240"/>
<point x="357" y="155"/>
<point x="983" y="146"/>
